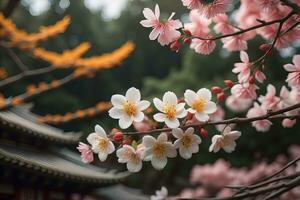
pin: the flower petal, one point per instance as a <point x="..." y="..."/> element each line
<point x="205" y="94"/>
<point x="148" y="141"/>
<point x="118" y="100"/>
<point x="154" y="33"/>
<point x="100" y="131"/>
<point x="159" y="163"/>
<point x="158" y="104"/>
<point x="172" y="123"/>
<point x="102" y="156"/>
<point x="111" y="147"/>
<point x="143" y="105"/>
<point x="116" y="113"/>
<point x="244" y="57"/>
<point x="125" y="122"/>
<point x="133" y="95"/>
<point x="210" y="107"/>
<point x="162" y="138"/>
<point x="159" y="117"/>
<point x="184" y="153"/>
<point x="92" y="138"/>
<point x="177" y="132"/>
<point x="202" y="117"/>
<point x="148" y="14"/>
<point x="170" y="150"/>
<point x="170" y="98"/>
<point x="138" y="117"/>
<point x="134" y="167"/>
<point x="190" y="96"/>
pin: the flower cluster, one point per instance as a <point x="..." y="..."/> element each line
<point x="209" y="18"/>
<point x="178" y="134"/>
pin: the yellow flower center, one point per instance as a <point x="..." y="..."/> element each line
<point x="129" y="108"/>
<point x="225" y="141"/>
<point x="186" y="141"/>
<point x="199" y="104"/>
<point x="159" y="150"/>
<point x="102" y="143"/>
<point x="170" y="111"/>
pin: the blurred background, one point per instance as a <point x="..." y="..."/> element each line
<point x="152" y="68"/>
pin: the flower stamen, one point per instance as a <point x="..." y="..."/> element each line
<point x="199" y="105"/>
<point x="129" y="108"/>
<point x="170" y="111"/>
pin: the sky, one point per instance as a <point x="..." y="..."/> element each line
<point x="111" y="8"/>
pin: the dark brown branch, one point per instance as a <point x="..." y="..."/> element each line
<point x="260" y="191"/>
<point x="292" y="5"/>
<point x="238" y="120"/>
<point x="27" y="96"/>
<point x="16" y="59"/>
<point x="263" y="24"/>
<point x="24" y="75"/>
<point x="10" y="7"/>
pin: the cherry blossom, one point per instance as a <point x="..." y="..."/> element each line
<point x="187" y="142"/>
<point x="225" y="141"/>
<point x="127" y="154"/>
<point x="170" y="110"/>
<point x="165" y="31"/>
<point x="128" y="108"/>
<point x="293" y="78"/>
<point x="260" y="125"/>
<point x="270" y="100"/>
<point x="87" y="155"/>
<point x="101" y="144"/>
<point x="204" y="47"/>
<point x="200" y="103"/>
<point x="243" y="68"/>
<point x="244" y="91"/>
<point x="158" y="150"/>
<point x="214" y="8"/>
<point x="238" y="104"/>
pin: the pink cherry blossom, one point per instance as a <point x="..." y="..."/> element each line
<point x="260" y="125"/>
<point x="238" y="104"/>
<point x="242" y="68"/>
<point x="293" y="78"/>
<point x="214" y="8"/>
<point x="244" y="91"/>
<point x="191" y="4"/>
<point x="235" y="43"/>
<point x="87" y="155"/>
<point x="204" y="47"/>
<point x="222" y="25"/>
<point x="166" y="32"/>
<point x="198" y="25"/>
<point x="270" y="100"/>
<point x="288" y="123"/>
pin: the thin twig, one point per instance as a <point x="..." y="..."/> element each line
<point x="16" y="59"/>
<point x="250" y="28"/>
<point x="236" y="120"/>
<point x="27" y="74"/>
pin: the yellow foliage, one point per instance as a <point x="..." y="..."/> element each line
<point x="105" y="61"/>
<point x="63" y="60"/>
<point x="79" y="114"/>
<point x="24" y="40"/>
<point x="2" y="100"/>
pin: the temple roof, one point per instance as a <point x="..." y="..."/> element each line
<point x="23" y="121"/>
<point x="61" y="164"/>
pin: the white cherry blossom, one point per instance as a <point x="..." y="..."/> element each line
<point x="200" y="103"/>
<point x="128" y="108"/>
<point x="127" y="154"/>
<point x="101" y="144"/>
<point x="187" y="142"/>
<point x="170" y="110"/>
<point x="158" y="150"/>
<point x="161" y="194"/>
<point x="225" y="141"/>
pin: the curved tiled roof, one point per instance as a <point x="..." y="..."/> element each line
<point x="57" y="165"/>
<point x="23" y="121"/>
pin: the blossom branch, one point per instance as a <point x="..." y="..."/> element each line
<point x="272" y="115"/>
<point x="263" y="24"/>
